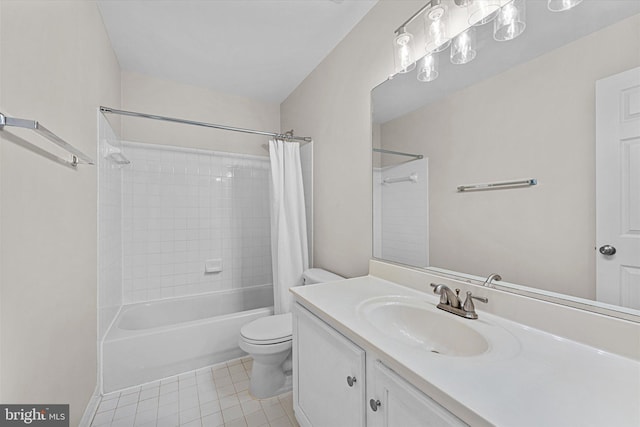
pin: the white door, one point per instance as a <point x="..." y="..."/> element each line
<point x="618" y="189"/>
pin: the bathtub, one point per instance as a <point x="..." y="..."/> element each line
<point x="150" y="341"/>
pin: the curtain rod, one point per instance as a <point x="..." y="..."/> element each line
<point x="399" y="153"/>
<point x="287" y="135"/>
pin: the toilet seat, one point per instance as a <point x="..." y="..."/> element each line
<point x="268" y="330"/>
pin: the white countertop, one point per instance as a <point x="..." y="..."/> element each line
<point x="531" y="378"/>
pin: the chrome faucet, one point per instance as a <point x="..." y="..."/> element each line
<point x="450" y="301"/>
<point x="491" y="278"/>
<point x="447" y="297"/>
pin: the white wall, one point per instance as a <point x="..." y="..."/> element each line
<point x="333" y="106"/>
<point x="182" y="207"/>
<point x="147" y="94"/>
<point x="56" y="66"/>
<point x="536" y="120"/>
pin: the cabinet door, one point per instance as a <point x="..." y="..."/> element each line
<point x="402" y="405"/>
<point x="323" y="359"/>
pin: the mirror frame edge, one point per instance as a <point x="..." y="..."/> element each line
<point x="591" y="306"/>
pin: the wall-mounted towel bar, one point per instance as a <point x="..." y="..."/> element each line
<point x="77" y="156"/>
<point x="411" y="178"/>
<point x="495" y="185"/>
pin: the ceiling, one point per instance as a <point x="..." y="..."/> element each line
<point x="260" y="49"/>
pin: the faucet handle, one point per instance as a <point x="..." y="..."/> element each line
<point x="468" y="303"/>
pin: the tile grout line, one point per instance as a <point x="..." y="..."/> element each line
<point x="206" y="384"/>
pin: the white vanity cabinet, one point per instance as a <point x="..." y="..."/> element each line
<point x="328" y="374"/>
<point x="330" y="384"/>
<point x="396" y="403"/>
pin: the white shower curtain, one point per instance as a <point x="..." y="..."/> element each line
<point x="289" y="253"/>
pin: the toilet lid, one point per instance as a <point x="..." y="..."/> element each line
<point x="269" y="329"/>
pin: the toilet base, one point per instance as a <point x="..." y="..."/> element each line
<point x="268" y="380"/>
<point x="265" y="394"/>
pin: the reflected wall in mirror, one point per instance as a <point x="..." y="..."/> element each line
<point x="521" y="109"/>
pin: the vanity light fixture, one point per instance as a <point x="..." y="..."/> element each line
<point x="436" y="21"/>
<point x="463" y="47"/>
<point x="428" y="68"/>
<point x="483" y="11"/>
<point x="510" y="22"/>
<point x="562" y="5"/>
<point x="436" y="33"/>
<point x="403" y="47"/>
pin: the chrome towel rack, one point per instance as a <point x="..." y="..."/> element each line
<point x="411" y="178"/>
<point x="398" y="153"/>
<point x="495" y="185"/>
<point x="77" y="156"/>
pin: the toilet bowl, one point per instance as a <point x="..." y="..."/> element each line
<point x="268" y="341"/>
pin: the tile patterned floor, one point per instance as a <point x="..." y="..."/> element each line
<point x="210" y="397"/>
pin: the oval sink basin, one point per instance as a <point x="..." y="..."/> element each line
<point x="420" y="324"/>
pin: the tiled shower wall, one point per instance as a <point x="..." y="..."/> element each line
<point x="109" y="228"/>
<point x="401" y="214"/>
<point x="182" y="207"/>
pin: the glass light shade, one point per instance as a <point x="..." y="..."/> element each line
<point x="428" y="68"/>
<point x="510" y="22"/>
<point x="562" y="5"/>
<point x="436" y="22"/>
<point x="403" y="52"/>
<point x="463" y="47"/>
<point x="483" y="11"/>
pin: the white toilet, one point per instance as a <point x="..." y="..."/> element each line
<point x="268" y="341"/>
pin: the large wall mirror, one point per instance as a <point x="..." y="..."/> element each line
<point x="558" y="107"/>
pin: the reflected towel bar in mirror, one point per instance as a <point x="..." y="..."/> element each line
<point x="398" y="153"/>
<point x="411" y="178"/>
<point x="495" y="185"/>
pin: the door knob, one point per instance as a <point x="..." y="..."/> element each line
<point x="607" y="250"/>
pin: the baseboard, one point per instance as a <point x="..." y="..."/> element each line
<point x="91" y="409"/>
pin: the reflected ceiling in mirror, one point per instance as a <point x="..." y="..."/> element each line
<point x="522" y="109"/>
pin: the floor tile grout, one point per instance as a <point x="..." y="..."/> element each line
<point x="215" y="396"/>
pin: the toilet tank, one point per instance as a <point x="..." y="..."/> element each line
<point x="318" y="275"/>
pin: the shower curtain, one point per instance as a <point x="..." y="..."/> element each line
<point x="289" y="255"/>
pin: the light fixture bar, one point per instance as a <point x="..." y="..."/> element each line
<point x="415" y="15"/>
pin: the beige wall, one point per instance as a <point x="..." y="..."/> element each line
<point x="147" y="94"/>
<point x="536" y="120"/>
<point x="56" y="66"/>
<point x="333" y="106"/>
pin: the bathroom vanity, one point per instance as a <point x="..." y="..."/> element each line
<point x="371" y="352"/>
